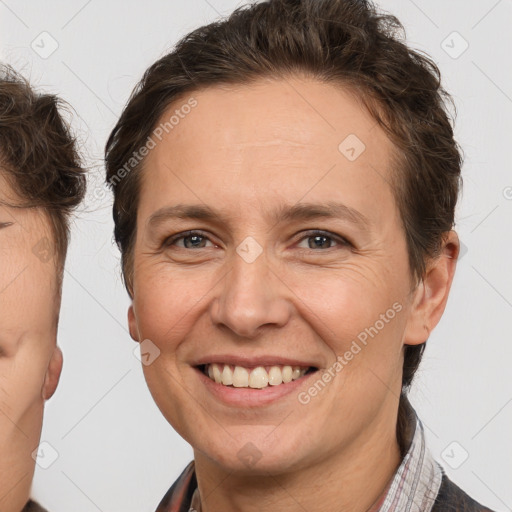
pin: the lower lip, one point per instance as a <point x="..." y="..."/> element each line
<point x="249" y="397"/>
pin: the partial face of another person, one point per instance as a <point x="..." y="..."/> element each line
<point x="270" y="279"/>
<point x="30" y="362"/>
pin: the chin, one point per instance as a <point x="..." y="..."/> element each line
<point x="256" y="454"/>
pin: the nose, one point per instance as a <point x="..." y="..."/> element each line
<point x="251" y="296"/>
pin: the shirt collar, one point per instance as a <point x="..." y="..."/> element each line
<point x="416" y="483"/>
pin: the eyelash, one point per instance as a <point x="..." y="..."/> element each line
<point x="343" y="242"/>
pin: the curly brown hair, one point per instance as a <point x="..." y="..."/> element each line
<point x="38" y="155"/>
<point x="345" y="42"/>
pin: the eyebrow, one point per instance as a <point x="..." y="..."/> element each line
<point x="284" y="213"/>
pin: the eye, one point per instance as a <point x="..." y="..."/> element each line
<point x="191" y="240"/>
<point x="316" y="239"/>
<point x="323" y="240"/>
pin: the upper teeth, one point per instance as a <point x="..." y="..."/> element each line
<point x="259" y="377"/>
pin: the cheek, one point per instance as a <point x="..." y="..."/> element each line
<point x="29" y="301"/>
<point x="361" y="324"/>
<point x="166" y="303"/>
<point x="13" y="264"/>
<point x="344" y="302"/>
<point x="21" y="382"/>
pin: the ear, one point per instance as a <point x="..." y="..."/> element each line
<point x="132" y="324"/>
<point x="53" y="373"/>
<point x="431" y="295"/>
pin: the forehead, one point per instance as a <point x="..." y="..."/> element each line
<point x="7" y="194"/>
<point x="285" y="140"/>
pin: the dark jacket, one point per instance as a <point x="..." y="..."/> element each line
<point x="32" y="506"/>
<point x="451" y="498"/>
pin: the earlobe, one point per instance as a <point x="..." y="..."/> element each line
<point x="132" y="324"/>
<point x="53" y="372"/>
<point x="431" y="295"/>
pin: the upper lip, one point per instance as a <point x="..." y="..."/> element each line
<point x="253" y="361"/>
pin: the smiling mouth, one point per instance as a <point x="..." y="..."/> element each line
<point x="258" y="377"/>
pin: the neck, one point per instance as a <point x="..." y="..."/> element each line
<point x="16" y="479"/>
<point x="353" y="479"/>
<point x="16" y="463"/>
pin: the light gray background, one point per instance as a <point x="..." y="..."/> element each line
<point x="115" y="451"/>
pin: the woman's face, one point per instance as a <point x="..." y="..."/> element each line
<point x="267" y="280"/>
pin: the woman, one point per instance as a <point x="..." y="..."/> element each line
<point x="285" y="183"/>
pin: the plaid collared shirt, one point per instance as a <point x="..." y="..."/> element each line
<point x="416" y="483"/>
<point x="413" y="488"/>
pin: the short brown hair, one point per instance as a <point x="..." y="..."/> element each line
<point x="38" y="155"/>
<point x="345" y="42"/>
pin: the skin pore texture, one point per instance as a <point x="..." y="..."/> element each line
<point x="247" y="152"/>
<point x="30" y="361"/>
